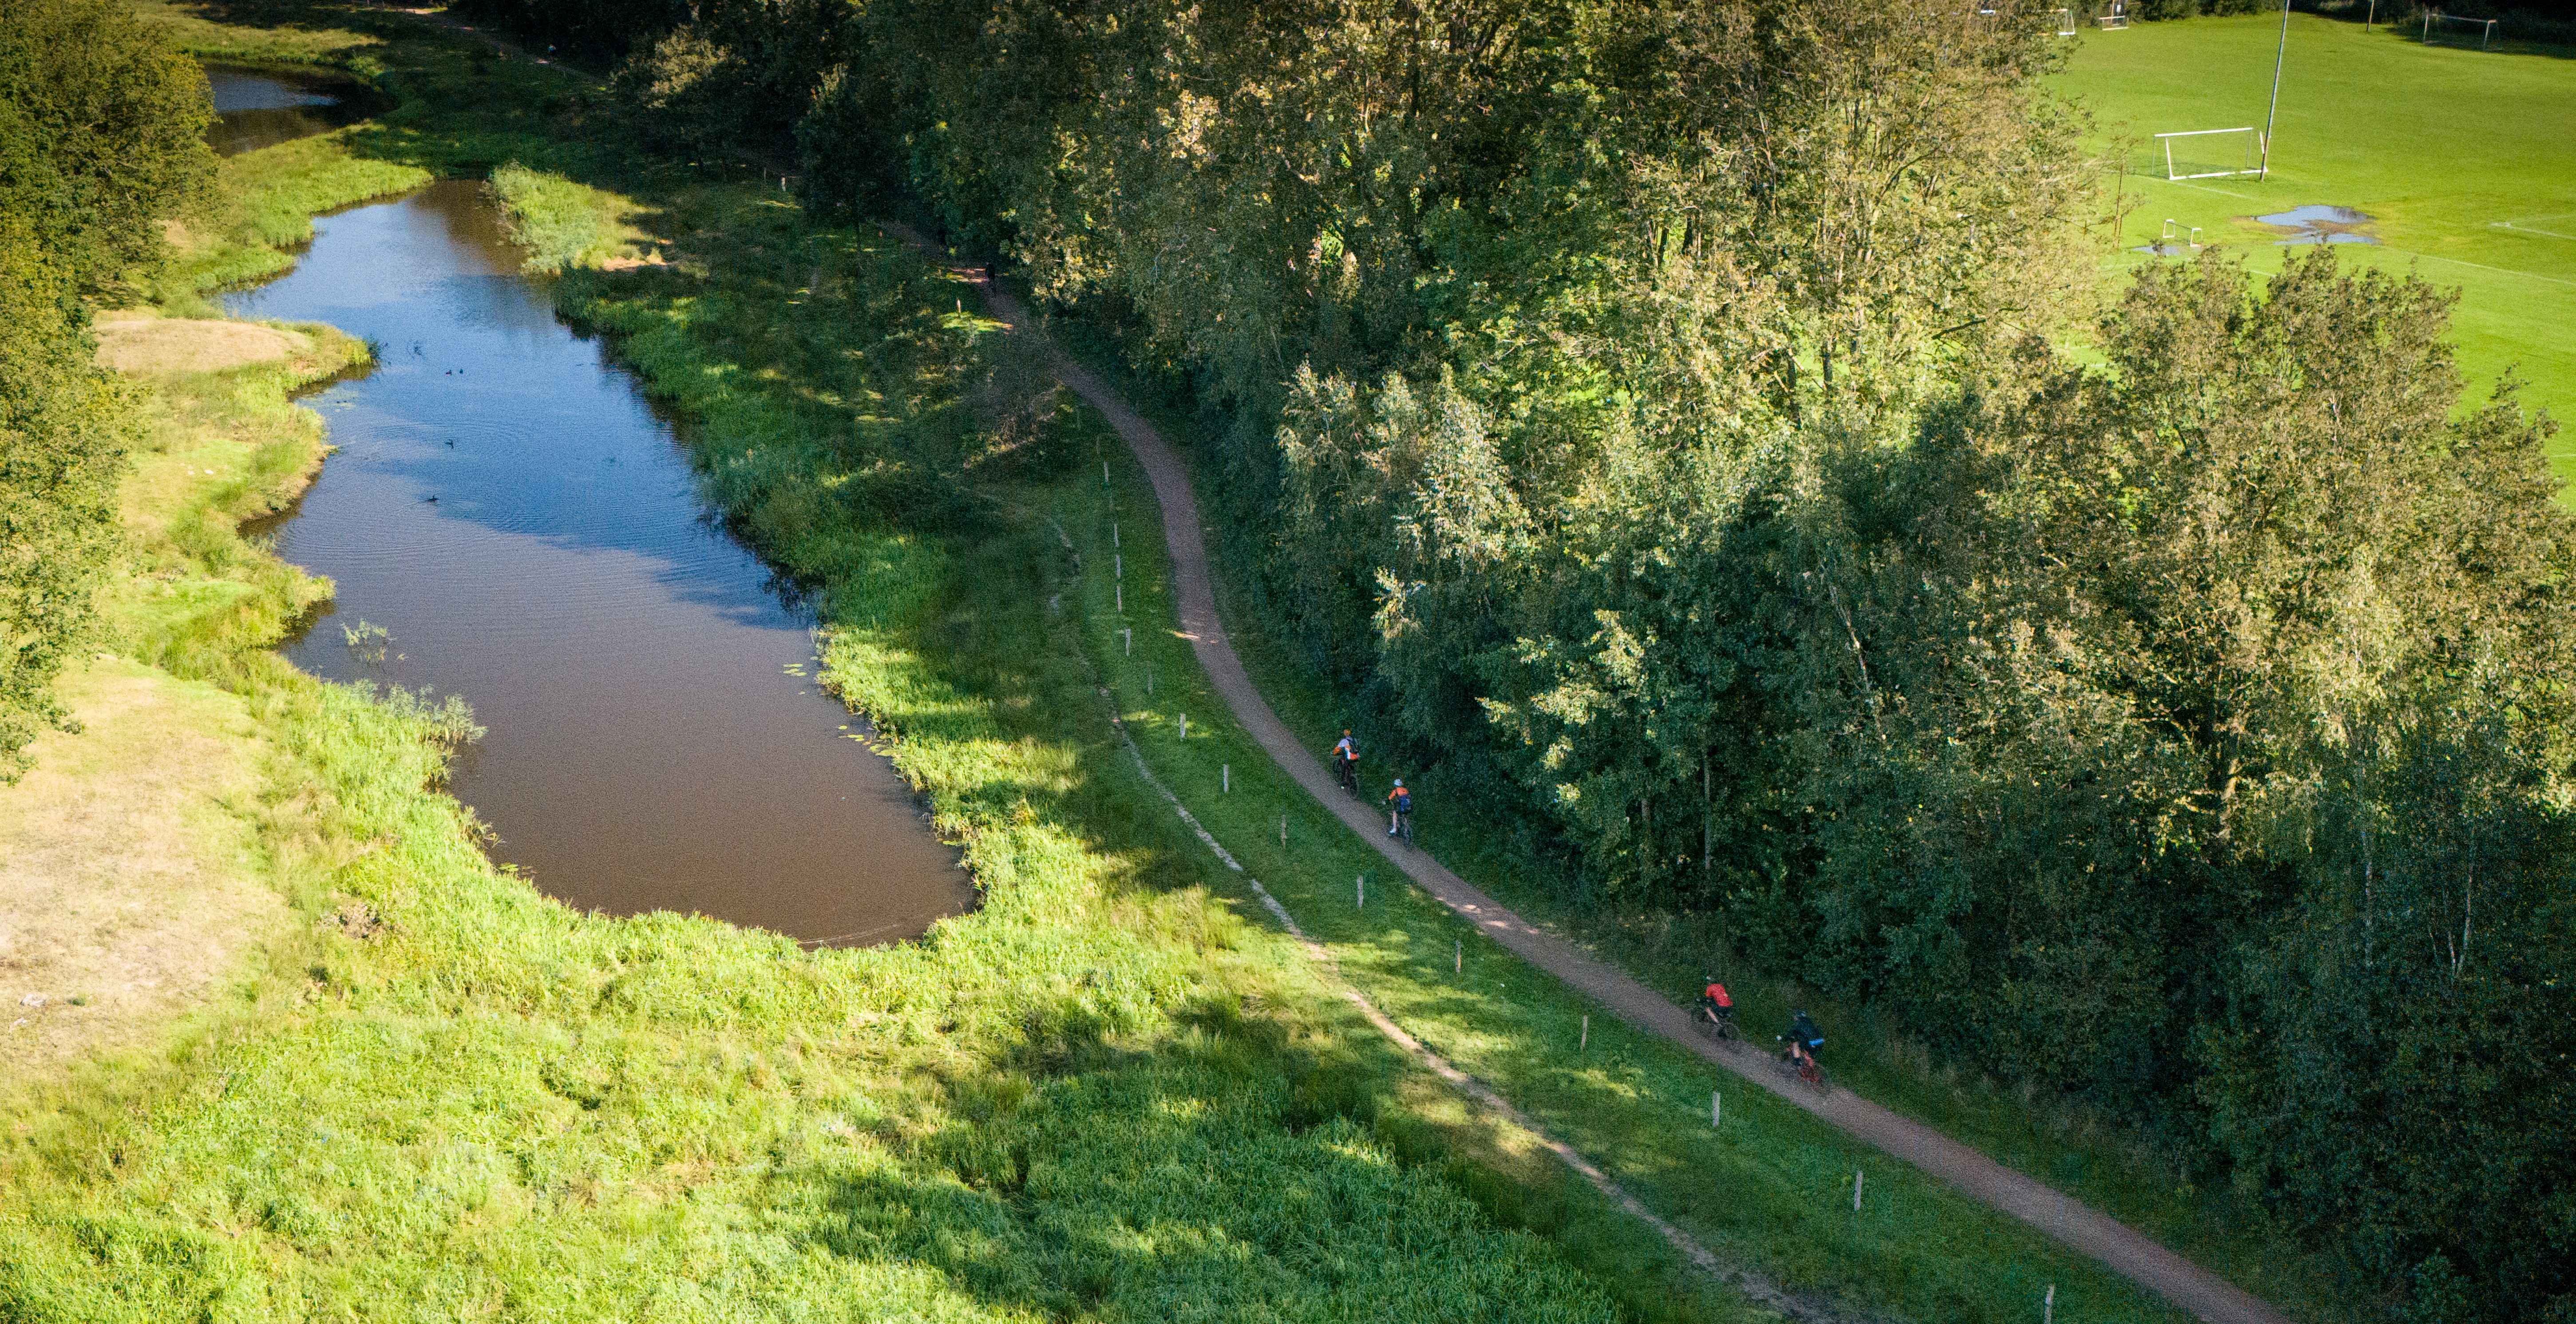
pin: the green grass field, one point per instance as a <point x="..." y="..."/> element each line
<point x="2466" y="159"/>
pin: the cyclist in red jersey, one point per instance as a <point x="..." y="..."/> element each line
<point x="1714" y="1000"/>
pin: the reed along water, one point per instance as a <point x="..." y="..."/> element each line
<point x="527" y="534"/>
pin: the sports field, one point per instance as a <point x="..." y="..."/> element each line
<point x="2464" y="160"/>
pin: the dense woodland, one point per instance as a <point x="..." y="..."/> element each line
<point x="102" y="136"/>
<point x="1666" y="419"/>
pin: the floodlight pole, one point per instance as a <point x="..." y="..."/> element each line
<point x="2264" y="171"/>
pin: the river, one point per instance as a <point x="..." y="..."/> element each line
<point x="507" y="508"/>
<point x="257" y="108"/>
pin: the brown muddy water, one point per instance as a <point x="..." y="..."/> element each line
<point x="507" y="509"/>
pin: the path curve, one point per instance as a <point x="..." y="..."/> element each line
<point x="2137" y="1257"/>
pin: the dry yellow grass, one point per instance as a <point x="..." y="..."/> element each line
<point x="130" y="877"/>
<point x="184" y="344"/>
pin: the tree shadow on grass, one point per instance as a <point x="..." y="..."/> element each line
<point x="1222" y="1175"/>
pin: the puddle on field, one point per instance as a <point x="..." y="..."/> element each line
<point x="257" y="108"/>
<point x="2320" y="223"/>
<point x="505" y="507"/>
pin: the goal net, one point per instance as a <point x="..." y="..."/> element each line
<point x="2470" y="33"/>
<point x="2111" y="15"/>
<point x="2065" y="22"/>
<point x="2209" y="153"/>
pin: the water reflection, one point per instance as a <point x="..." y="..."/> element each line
<point x="505" y="506"/>
<point x="257" y="108"/>
<point x="2322" y="223"/>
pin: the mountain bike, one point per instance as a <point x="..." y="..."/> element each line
<point x="1403" y="826"/>
<point x="1713" y="1023"/>
<point x="1802" y="1065"/>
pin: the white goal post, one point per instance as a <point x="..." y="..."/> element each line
<point x="2210" y="153"/>
<point x="2439" y="25"/>
<point x="2065" y="22"/>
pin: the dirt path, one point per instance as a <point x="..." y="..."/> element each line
<point x="2137" y="1257"/>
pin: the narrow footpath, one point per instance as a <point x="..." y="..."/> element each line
<point x="2139" y="1258"/>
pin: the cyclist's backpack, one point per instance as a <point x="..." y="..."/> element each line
<point x="1404" y="801"/>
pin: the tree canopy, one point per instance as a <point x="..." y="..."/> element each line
<point x="101" y="138"/>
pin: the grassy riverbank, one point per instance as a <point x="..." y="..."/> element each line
<point x="433" y="1091"/>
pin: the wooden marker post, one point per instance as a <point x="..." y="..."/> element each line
<point x="1121" y="590"/>
<point x="1585" y="1043"/>
<point x="1185" y="726"/>
<point x="1113" y="534"/>
<point x="1457" y="956"/>
<point x="1856" y="1181"/>
<point x="1362" y="883"/>
<point x="1129" y="634"/>
<point x="2048" y="1306"/>
<point x="1713" y="1113"/>
<point x="1283" y="832"/>
<point x="1225" y="777"/>
<point x="1104" y="473"/>
<point x="1117" y="566"/>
